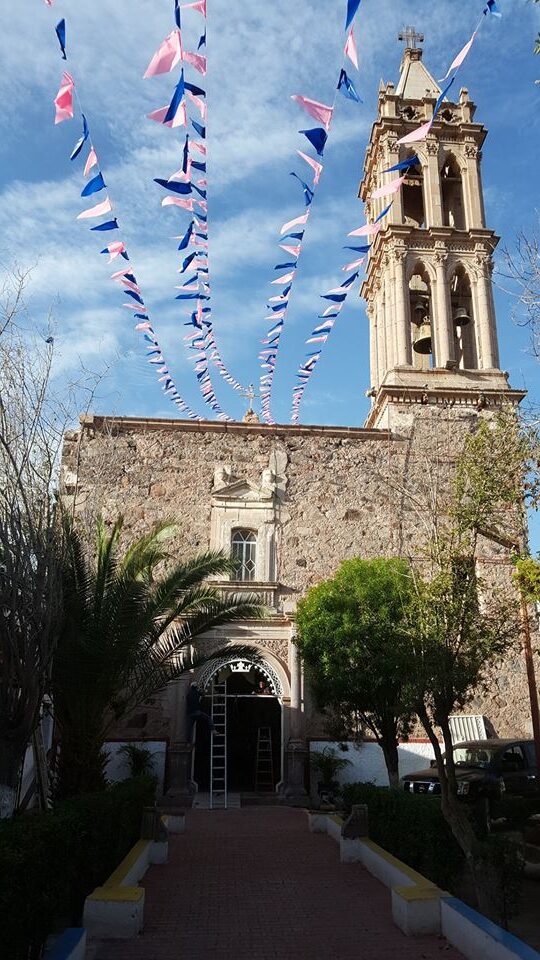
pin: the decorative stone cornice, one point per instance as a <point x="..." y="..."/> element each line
<point x="427" y="243"/>
<point x="478" y="398"/>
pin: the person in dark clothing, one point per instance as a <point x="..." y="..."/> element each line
<point x="194" y="712"/>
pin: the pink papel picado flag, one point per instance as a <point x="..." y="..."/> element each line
<point x="199" y="5"/>
<point x="387" y="189"/>
<point x="460" y="57"/>
<point x="368" y="230"/>
<point x="167" y="56"/>
<point x="179" y="119"/>
<point x="350" y="48"/>
<point x="101" y="208"/>
<point x="319" y="111"/>
<point x="297" y="222"/>
<point x="196" y="60"/>
<point x="354" y="265"/>
<point x="92" y="161"/>
<point x="314" y="164"/>
<point x="177" y="202"/>
<point x="286" y="278"/>
<point x="416" y="135"/>
<point x="63" y="100"/>
<point x="115" y="249"/>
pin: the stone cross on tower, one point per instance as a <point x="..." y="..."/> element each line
<point x="411" y="37"/>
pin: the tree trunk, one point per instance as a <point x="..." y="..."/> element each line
<point x="391" y="758"/>
<point x="11" y="759"/>
<point x="455" y="813"/>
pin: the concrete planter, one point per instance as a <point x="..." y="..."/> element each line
<point x="116" y="910"/>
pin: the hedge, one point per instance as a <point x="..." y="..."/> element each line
<point x="50" y="862"/>
<point x="413" y="829"/>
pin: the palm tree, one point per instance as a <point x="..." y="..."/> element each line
<point x="126" y="633"/>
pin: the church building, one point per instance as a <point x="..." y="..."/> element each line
<point x="292" y="502"/>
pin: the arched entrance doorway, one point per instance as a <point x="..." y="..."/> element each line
<point x="249" y="698"/>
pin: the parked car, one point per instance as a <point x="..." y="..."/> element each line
<point x="484" y="769"/>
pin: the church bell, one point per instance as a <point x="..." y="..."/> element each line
<point x="422" y="326"/>
<point x="422" y="338"/>
<point x="461" y="317"/>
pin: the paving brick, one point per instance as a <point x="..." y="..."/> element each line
<point x="254" y="883"/>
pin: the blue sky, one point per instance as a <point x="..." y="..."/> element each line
<point x="259" y="54"/>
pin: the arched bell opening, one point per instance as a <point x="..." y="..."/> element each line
<point x="461" y="303"/>
<point x="252" y="694"/>
<point x="452" y="194"/>
<point x="413" y="195"/>
<point x="421" y="313"/>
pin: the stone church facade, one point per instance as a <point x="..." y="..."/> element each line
<point x="294" y="501"/>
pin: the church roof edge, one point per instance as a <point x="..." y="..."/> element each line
<point x="140" y="424"/>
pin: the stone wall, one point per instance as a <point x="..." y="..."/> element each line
<point x="348" y="492"/>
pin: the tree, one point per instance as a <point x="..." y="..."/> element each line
<point x="33" y="415"/>
<point x="128" y="630"/>
<point x="354" y="638"/>
<point x="460" y="627"/>
<point x="522" y="269"/>
<point x="527" y="578"/>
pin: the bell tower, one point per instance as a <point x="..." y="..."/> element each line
<point x="428" y="287"/>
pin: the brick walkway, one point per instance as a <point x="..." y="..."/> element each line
<point x="255" y="883"/>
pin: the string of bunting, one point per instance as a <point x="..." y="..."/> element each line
<point x="338" y="295"/>
<point x="181" y="194"/>
<point x="317" y="138"/>
<point x="186" y="194"/>
<point x="103" y="211"/>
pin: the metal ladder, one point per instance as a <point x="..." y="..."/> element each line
<point x="264" y="768"/>
<point x="218" y="747"/>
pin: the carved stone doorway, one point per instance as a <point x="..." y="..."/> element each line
<point x="254" y="713"/>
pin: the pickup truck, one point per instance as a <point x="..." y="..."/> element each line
<point x="484" y="768"/>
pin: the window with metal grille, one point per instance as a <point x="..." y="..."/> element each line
<point x="243" y="552"/>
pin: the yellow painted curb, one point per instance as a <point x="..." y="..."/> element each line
<point x="117" y="894"/>
<point x="418" y="879"/>
<point x="420" y="893"/>
<point x="125" y="866"/>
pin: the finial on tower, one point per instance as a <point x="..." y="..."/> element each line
<point x="410" y="37"/>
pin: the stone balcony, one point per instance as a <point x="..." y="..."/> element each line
<point x="277" y="598"/>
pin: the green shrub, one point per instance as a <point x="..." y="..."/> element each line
<point x="413" y="829"/>
<point x="49" y="862"/>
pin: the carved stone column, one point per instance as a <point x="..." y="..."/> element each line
<point x="472" y="188"/>
<point x="386" y="326"/>
<point x="402" y="319"/>
<point x="373" y="347"/>
<point x="296" y="754"/>
<point x="484" y="316"/>
<point x="432" y="186"/>
<point x="296" y="692"/>
<point x="444" y="334"/>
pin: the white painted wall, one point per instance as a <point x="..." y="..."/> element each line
<point x="367" y="760"/>
<point x="118" y="767"/>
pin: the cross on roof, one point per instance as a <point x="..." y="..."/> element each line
<point x="250" y="394"/>
<point x="411" y="37"/>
